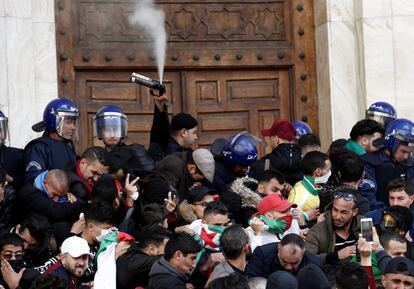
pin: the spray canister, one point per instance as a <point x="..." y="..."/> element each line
<point x="148" y="82"/>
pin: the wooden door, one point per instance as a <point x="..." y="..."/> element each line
<point x="227" y="102"/>
<point x="235" y="65"/>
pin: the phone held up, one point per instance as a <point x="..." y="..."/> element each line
<point x="367" y="230"/>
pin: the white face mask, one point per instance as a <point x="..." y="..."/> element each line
<point x="104" y="234"/>
<point x="323" y="179"/>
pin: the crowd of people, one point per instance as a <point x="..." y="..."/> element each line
<point x="125" y="216"/>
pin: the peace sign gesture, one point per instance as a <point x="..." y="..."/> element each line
<point x="131" y="189"/>
<point x="170" y="204"/>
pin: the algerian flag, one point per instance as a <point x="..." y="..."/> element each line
<point x="105" y="276"/>
<point x="208" y="236"/>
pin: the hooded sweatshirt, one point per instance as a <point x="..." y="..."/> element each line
<point x="165" y="276"/>
<point x="285" y="158"/>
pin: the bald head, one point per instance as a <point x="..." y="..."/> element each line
<point x="57" y="184"/>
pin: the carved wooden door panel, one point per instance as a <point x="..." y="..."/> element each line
<point x="227" y="102"/>
<point x="245" y="62"/>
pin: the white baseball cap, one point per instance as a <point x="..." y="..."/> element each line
<point x="75" y="246"/>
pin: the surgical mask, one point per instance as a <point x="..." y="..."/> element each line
<point x="103" y="235"/>
<point x="323" y="179"/>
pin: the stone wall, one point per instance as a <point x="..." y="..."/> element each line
<point x="363" y="55"/>
<point x="28" y="70"/>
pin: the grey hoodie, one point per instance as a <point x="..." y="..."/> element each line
<point x="165" y="276"/>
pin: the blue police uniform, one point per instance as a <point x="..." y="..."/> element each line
<point x="46" y="153"/>
<point x="11" y="159"/>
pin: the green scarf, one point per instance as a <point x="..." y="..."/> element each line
<point x="275" y="226"/>
<point x="307" y="183"/>
<point x="354" y="147"/>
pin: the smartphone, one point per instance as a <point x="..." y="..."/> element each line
<point x="367" y="229"/>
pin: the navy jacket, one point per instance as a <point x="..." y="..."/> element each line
<point x="45" y="153"/>
<point x="133" y="268"/>
<point x="31" y="200"/>
<point x="223" y="176"/>
<point x="164" y="276"/>
<point x="379" y="171"/>
<point x="11" y="159"/>
<point x="265" y="261"/>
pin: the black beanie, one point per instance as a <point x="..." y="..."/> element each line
<point x="183" y="120"/>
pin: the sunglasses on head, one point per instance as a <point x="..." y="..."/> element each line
<point x="345" y="196"/>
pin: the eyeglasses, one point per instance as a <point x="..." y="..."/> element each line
<point x="346" y="196"/>
<point x="9" y="256"/>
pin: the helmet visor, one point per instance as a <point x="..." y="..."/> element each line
<point x="3" y="130"/>
<point x="110" y="127"/>
<point x="388" y="221"/>
<point x="67" y="125"/>
<point x="382" y="118"/>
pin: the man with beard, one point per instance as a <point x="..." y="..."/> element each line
<point x="235" y="245"/>
<point x="74" y="261"/>
<point x="273" y="220"/>
<point x="334" y="239"/>
<point x="179" y="136"/>
<point x="93" y="163"/>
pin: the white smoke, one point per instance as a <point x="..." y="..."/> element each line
<point x="152" y="19"/>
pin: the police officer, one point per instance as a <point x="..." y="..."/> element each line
<point x="238" y="153"/>
<point x="392" y="162"/>
<point x="111" y="126"/>
<point x="301" y="128"/>
<point x="382" y="112"/>
<point x="11" y="159"/>
<point x="55" y="149"/>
